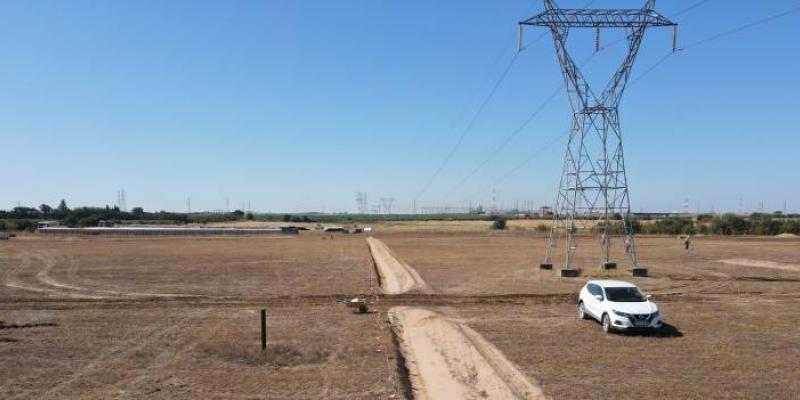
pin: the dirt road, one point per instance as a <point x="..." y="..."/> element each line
<point x="448" y="360"/>
<point x="396" y="276"/>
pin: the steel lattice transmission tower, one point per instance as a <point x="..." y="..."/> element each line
<point x="594" y="184"/>
<point x="361" y="200"/>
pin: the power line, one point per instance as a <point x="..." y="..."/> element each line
<point x="650" y="69"/>
<point x="713" y="38"/>
<point x="468" y="127"/>
<point x="521" y="165"/>
<point x="479" y="112"/>
<point x="690" y="8"/>
<point x="505" y="142"/>
<point x="513" y="134"/>
<point x="742" y="28"/>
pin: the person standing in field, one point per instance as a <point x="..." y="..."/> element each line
<point x="628" y="244"/>
<point x="687" y="241"/>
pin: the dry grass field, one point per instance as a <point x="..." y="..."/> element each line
<point x="176" y="317"/>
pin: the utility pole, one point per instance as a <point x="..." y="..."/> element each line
<point x="594" y="183"/>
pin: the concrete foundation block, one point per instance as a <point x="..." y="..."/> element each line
<point x="608" y="265"/>
<point x="639" y="272"/>
<point x="570" y="273"/>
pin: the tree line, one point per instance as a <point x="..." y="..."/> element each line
<point x="26" y="218"/>
<point x="727" y="224"/>
<point x="758" y="224"/>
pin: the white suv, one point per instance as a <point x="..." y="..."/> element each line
<point x="619" y="306"/>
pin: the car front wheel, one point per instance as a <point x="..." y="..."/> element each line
<point x="582" y="311"/>
<point x="606" y="324"/>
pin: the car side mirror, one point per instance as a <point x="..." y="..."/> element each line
<point x="649" y="297"/>
<point x="598" y="297"/>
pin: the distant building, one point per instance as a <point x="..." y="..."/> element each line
<point x="46" y="224"/>
<point x="290" y="230"/>
<point x="545" y="211"/>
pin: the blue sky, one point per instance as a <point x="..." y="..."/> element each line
<point x="296" y="105"/>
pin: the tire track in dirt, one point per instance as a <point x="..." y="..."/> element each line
<point x="49" y="285"/>
<point x="43" y="276"/>
<point x="395" y="275"/>
<point x="117" y="356"/>
<point x="13" y="278"/>
<point x="746" y="262"/>
<point x="446" y="359"/>
<point x="166" y="358"/>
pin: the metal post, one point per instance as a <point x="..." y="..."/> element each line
<point x="263" y="330"/>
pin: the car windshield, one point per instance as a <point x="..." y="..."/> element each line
<point x="624" y="294"/>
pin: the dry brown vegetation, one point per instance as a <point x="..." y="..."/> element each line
<point x="101" y="318"/>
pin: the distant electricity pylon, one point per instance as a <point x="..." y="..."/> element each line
<point x="387" y="204"/>
<point x="594" y="185"/>
<point x="121" y="200"/>
<point x="361" y="200"/>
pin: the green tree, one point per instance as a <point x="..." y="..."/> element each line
<point x="45" y="209"/>
<point x="62" y="209"/>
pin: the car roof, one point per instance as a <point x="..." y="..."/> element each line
<point x="612" y="283"/>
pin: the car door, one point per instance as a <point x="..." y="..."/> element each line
<point x="592" y="304"/>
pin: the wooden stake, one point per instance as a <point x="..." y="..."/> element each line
<point x="263" y="330"/>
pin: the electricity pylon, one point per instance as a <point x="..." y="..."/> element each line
<point x="361" y="200"/>
<point x="594" y="184"/>
<point x="387" y="204"/>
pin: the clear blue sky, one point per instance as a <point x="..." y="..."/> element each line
<point x="296" y="105"/>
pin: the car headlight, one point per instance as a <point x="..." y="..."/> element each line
<point x="655" y="315"/>
<point x="622" y="314"/>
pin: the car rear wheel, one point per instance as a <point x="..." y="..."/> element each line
<point x="582" y="311"/>
<point x="606" y="324"/>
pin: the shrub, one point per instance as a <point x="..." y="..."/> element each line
<point x="499" y="224"/>
<point x="90" y="220"/>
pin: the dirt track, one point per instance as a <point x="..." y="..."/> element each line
<point x="396" y="276"/>
<point x="448" y="360"/>
<point x="762" y="264"/>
